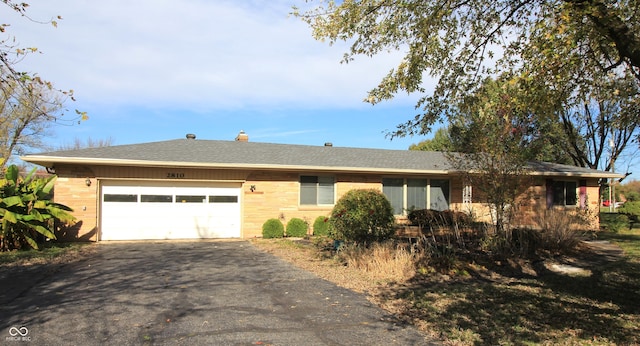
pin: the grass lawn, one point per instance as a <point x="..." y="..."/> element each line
<point x="492" y="306"/>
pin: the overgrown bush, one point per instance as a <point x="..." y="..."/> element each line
<point x="439" y="256"/>
<point x="321" y="226"/>
<point x="436" y="218"/>
<point x="272" y="228"/>
<point x="386" y="261"/>
<point x="558" y="229"/>
<point x="363" y="216"/>
<point x="27" y="211"/>
<point x="297" y="227"/>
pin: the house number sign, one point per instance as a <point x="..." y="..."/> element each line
<point x="173" y="175"/>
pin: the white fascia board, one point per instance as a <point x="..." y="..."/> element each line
<point x="49" y="161"/>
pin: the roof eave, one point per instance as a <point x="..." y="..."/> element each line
<point x="50" y="161"/>
<point x="596" y="174"/>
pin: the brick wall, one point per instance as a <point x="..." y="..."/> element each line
<point x="275" y="194"/>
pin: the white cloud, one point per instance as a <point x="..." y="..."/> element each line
<point x="198" y="55"/>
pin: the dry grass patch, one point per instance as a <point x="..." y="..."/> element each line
<point x="486" y="302"/>
<point x="48" y="254"/>
<point x="356" y="268"/>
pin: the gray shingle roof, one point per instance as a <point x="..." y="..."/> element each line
<point x="235" y="154"/>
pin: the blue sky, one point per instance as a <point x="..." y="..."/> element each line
<point x="155" y="70"/>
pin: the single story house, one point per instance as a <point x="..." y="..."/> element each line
<point x="194" y="189"/>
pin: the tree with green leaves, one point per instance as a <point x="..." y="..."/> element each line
<point x="566" y="53"/>
<point x="549" y="145"/>
<point x="29" y="104"/>
<point x="497" y="140"/>
<point x="439" y="142"/>
<point x="27" y="211"/>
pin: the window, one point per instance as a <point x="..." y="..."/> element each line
<point x="190" y="199"/>
<point x="439" y="195"/>
<point x="393" y="189"/>
<point x="416" y="194"/>
<point x="564" y="193"/>
<point x="156" y="198"/>
<point x="120" y="198"/>
<point x="223" y="199"/>
<point x="316" y="190"/>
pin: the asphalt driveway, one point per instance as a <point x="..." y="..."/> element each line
<point x="188" y="293"/>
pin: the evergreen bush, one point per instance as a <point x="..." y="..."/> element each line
<point x="272" y="228"/>
<point x="363" y="216"/>
<point x="297" y="227"/>
<point x="321" y="226"/>
<point x="631" y="209"/>
<point x="614" y="222"/>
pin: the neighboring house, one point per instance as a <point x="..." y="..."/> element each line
<point x="190" y="189"/>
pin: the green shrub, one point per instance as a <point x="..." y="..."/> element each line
<point x="272" y="228"/>
<point x="321" y="226"/>
<point x="363" y="216"/>
<point x="614" y="222"/>
<point x="631" y="209"/>
<point x="297" y="228"/>
<point x="632" y="196"/>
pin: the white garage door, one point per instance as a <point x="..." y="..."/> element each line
<point x="138" y="211"/>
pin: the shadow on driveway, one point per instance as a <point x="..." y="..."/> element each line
<point x="196" y="293"/>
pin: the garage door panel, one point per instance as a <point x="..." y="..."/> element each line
<point x="169" y="212"/>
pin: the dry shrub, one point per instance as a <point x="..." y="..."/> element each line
<point x="387" y="261"/>
<point x="559" y="229"/>
<point x="438" y="255"/>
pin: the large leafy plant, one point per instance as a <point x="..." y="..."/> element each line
<point x="27" y="211"/>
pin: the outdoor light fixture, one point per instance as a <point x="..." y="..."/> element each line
<point x="87" y="181"/>
<point x="252" y="188"/>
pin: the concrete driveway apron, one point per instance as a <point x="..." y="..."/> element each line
<point x="190" y="293"/>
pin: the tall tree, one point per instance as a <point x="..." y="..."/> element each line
<point x="439" y="142"/>
<point x="493" y="132"/>
<point x="88" y="143"/>
<point x="563" y="47"/>
<point x="28" y="103"/>
<point x="25" y="118"/>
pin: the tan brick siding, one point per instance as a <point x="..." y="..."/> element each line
<point x="83" y="199"/>
<point x="276" y="194"/>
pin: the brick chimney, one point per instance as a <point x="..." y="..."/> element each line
<point x="242" y="137"/>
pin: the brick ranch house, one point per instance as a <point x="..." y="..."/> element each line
<point x="195" y="189"/>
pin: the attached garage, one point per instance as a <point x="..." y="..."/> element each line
<point x="133" y="210"/>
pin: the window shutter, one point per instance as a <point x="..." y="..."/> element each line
<point x="583" y="194"/>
